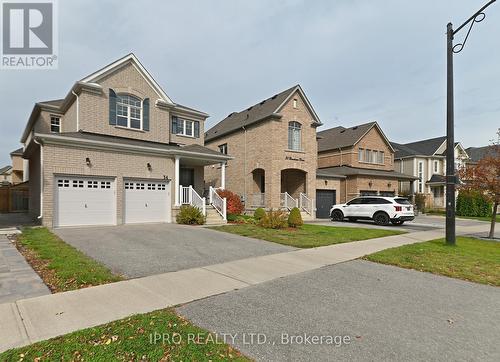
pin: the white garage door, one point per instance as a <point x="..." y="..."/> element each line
<point x="146" y="201"/>
<point x="84" y="201"/>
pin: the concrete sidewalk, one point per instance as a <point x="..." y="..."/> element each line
<point x="36" y="319"/>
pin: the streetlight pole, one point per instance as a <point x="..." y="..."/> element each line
<point x="451" y="178"/>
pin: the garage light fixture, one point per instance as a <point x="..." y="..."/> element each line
<point x="87" y="161"/>
<point x="370" y="184"/>
<point x="389" y="184"/>
<point x="149" y="167"/>
<point x="166" y="178"/>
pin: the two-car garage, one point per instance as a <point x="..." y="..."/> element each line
<point x="80" y="201"/>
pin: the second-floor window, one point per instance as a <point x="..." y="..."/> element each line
<point x="185" y="127"/>
<point x="420" y="176"/>
<point x="55" y="124"/>
<point x="223" y="148"/>
<point x="128" y="111"/>
<point x="436" y="166"/>
<point x="371" y="156"/>
<point x="294" y="136"/>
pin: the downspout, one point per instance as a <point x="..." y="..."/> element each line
<point x="77" y="111"/>
<point x="245" y="166"/>
<point x="41" y="178"/>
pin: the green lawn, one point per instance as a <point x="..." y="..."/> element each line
<point x="131" y="339"/>
<point x="308" y="236"/>
<point x="471" y="259"/>
<point x="480" y="218"/>
<point x="61" y="266"/>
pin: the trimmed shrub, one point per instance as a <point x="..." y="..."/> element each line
<point x="274" y="220"/>
<point x="295" y="218"/>
<point x="420" y="202"/>
<point x="190" y="215"/>
<point x="234" y="204"/>
<point x="259" y="213"/>
<point x="473" y="203"/>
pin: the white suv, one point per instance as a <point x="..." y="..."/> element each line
<point x="380" y="209"/>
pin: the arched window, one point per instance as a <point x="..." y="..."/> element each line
<point x="128" y="111"/>
<point x="294" y="136"/>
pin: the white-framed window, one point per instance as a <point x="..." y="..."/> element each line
<point x="368" y="155"/>
<point x="185" y="127"/>
<point x="360" y="154"/>
<point x="223" y="148"/>
<point x="295" y="104"/>
<point x="381" y="157"/>
<point x="420" y="176"/>
<point x="436" y="166"/>
<point x="294" y="136"/>
<point x="55" y="124"/>
<point x="128" y="111"/>
<point x="374" y="156"/>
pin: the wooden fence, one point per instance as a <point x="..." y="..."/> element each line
<point x="14" y="198"/>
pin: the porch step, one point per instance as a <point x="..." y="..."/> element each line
<point x="306" y="216"/>
<point x="213" y="217"/>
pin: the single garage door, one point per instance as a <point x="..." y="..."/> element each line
<point x="325" y="199"/>
<point x="146" y="201"/>
<point x="84" y="201"/>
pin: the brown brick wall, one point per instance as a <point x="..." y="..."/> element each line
<point x="71" y="161"/>
<point x="266" y="148"/>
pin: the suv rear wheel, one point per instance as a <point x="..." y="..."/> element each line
<point x="381" y="218"/>
<point x="337" y="215"/>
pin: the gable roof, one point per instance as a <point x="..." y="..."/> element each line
<point x="128" y="59"/>
<point x="18" y="152"/>
<point x="477" y="153"/>
<point x="426" y="147"/>
<point x="341" y="137"/>
<point x="5" y="169"/>
<point x="258" y="112"/>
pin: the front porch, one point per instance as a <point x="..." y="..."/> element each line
<point x="190" y="188"/>
<point x="293" y="192"/>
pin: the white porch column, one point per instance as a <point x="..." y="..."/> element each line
<point x="176" y="179"/>
<point x="223" y="175"/>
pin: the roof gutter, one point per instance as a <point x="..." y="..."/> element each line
<point x="55" y="139"/>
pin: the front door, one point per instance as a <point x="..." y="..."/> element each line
<point x="186" y="177"/>
<point x="325" y="199"/>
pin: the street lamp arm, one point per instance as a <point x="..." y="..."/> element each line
<point x="476" y="18"/>
<point x="473" y="17"/>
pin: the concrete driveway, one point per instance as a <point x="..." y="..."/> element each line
<point x="142" y="250"/>
<point x="388" y="313"/>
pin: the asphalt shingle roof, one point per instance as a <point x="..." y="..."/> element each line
<point x="424" y="148"/>
<point x="477" y="153"/>
<point x="340" y="137"/>
<point x="354" y="171"/>
<point x="18" y="152"/>
<point x="5" y="169"/>
<point x="251" y="115"/>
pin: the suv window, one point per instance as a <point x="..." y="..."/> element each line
<point x="402" y="201"/>
<point x="377" y="201"/>
<point x="355" y="202"/>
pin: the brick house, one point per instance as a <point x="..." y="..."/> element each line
<point x="274" y="147"/>
<point x="364" y="159"/>
<point x="19" y="166"/>
<point x="116" y="150"/>
<point x="426" y="160"/>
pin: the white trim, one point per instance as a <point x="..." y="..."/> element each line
<point x="138" y="66"/>
<point x="303" y="95"/>
<point x="139" y="149"/>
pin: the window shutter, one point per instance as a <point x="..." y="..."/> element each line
<point x="112" y="107"/>
<point x="145" y="114"/>
<point x="197" y="129"/>
<point x="174" y="125"/>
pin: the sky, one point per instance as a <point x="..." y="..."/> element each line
<point x="357" y="61"/>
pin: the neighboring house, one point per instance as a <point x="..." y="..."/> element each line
<point x="5" y="175"/>
<point x="115" y="150"/>
<point x="362" y="157"/>
<point x="275" y="152"/>
<point x="19" y="166"/>
<point x="426" y="160"/>
<point x="477" y="153"/>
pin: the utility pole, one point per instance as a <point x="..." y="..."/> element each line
<point x="451" y="178"/>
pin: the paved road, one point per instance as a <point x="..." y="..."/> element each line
<point x="390" y="314"/>
<point x="421" y="223"/>
<point x="17" y="279"/>
<point x="142" y="250"/>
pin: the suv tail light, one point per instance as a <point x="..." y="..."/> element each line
<point x="398" y="208"/>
